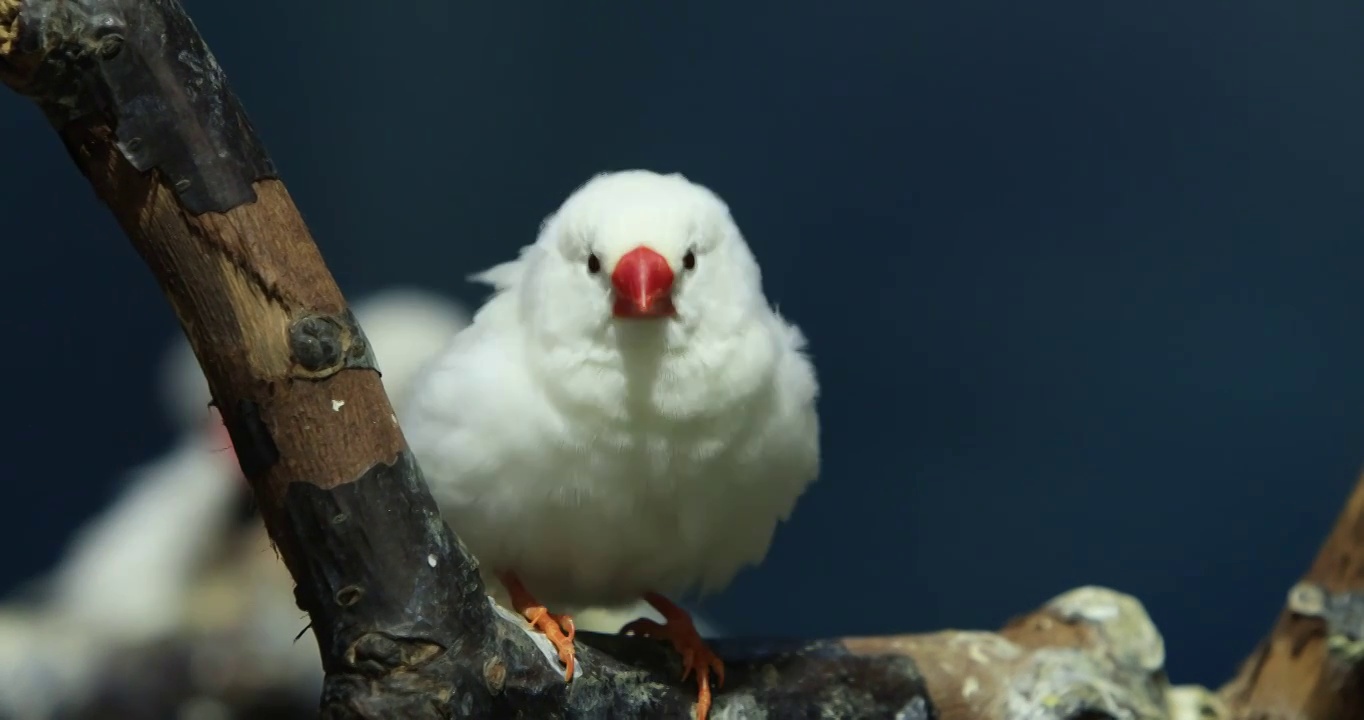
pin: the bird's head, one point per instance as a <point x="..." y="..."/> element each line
<point x="639" y="252"/>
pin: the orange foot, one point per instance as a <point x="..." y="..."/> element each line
<point x="696" y="655"/>
<point x="558" y="628"/>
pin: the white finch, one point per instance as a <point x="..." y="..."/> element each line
<point x="627" y="416"/>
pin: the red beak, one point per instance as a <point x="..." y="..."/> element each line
<point x="644" y="284"/>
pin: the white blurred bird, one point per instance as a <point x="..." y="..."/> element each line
<point x="128" y="568"/>
<point x="627" y="415"/>
<point x="170" y="557"/>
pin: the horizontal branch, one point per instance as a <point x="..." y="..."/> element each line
<point x="1089" y="653"/>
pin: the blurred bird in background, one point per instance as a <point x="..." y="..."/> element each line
<point x="180" y="559"/>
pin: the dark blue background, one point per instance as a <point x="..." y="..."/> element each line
<point x="1082" y="279"/>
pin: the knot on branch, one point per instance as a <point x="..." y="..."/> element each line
<point x="375" y="654"/>
<point x="1343" y="614"/>
<point x="323" y="345"/>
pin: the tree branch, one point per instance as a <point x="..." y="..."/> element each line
<point x="1312" y="664"/>
<point x="1090" y="653"/>
<point x="402" y="620"/>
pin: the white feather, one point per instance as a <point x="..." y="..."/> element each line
<point x="126" y="571"/>
<point x="598" y="458"/>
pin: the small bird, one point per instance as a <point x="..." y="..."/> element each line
<point x="627" y="416"/>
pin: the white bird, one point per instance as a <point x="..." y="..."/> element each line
<point x="626" y="416"/>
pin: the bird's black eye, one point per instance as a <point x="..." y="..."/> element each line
<point x="593" y="264"/>
<point x="689" y="260"/>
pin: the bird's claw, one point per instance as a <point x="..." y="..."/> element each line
<point x="558" y="629"/>
<point x="697" y="657"/>
<point x="564" y="622"/>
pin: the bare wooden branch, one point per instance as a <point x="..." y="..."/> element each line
<point x="1089" y="653"/>
<point x="1311" y="667"/>
<point x="401" y="617"/>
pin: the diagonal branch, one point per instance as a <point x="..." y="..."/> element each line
<point x="1312" y="664"/>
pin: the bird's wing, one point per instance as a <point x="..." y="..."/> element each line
<point x="792" y="434"/>
<point x="467" y="413"/>
<point x="778" y="462"/>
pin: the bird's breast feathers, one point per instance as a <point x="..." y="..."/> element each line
<point x="669" y="476"/>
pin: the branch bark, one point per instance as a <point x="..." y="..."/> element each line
<point x="402" y="620"/>
<point x="1089" y="653"/>
<point x="1311" y="667"/>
